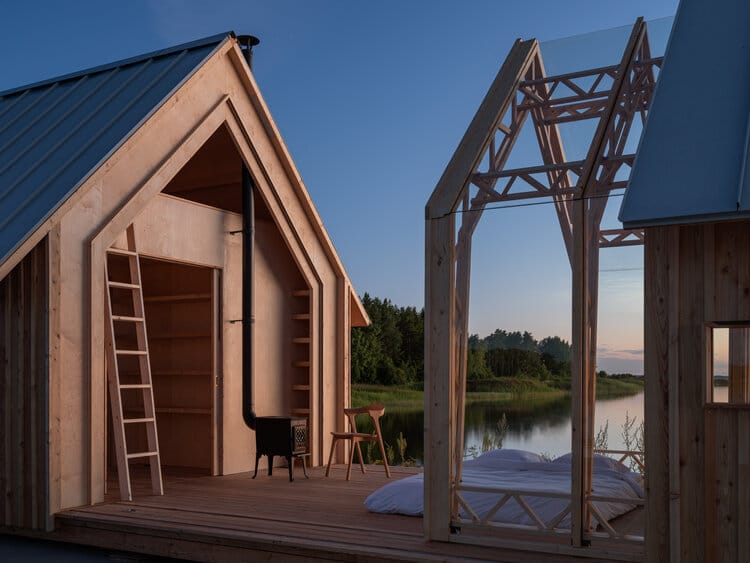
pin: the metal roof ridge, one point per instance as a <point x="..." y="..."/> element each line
<point x="123" y="62"/>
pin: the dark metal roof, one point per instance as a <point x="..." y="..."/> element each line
<point x="55" y="134"/>
<point x="693" y="162"/>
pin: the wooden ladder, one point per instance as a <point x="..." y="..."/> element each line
<point x="116" y="354"/>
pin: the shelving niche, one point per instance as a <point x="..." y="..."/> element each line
<point x="302" y="355"/>
<point x="179" y="305"/>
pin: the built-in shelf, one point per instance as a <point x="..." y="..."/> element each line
<point x="181" y="373"/>
<point x="182" y="410"/>
<point x="302" y="341"/>
<point x="177" y="298"/>
<point x="166" y="336"/>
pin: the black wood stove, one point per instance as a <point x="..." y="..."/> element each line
<point x="285" y="436"/>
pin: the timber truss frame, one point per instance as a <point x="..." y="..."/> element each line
<point x="477" y="177"/>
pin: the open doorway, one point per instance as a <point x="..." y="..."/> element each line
<point x="182" y="316"/>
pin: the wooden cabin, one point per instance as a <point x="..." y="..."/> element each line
<point x="690" y="191"/>
<point x="155" y="146"/>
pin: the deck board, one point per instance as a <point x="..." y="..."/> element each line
<point x="269" y="518"/>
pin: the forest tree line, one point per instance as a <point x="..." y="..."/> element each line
<point x="391" y="350"/>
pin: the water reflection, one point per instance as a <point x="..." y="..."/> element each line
<point x="538" y="424"/>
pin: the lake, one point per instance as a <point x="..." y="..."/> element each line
<point x="536" y="423"/>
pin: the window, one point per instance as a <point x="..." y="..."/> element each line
<point x="729" y="351"/>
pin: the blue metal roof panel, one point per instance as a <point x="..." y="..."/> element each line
<point x="54" y="134"/>
<point x="691" y="157"/>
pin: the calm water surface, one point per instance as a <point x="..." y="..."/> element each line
<point x="537" y="424"/>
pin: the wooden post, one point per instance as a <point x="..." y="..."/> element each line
<point x="579" y="368"/>
<point x="439" y="375"/>
<point x="442" y="354"/>
<point x="461" y="327"/>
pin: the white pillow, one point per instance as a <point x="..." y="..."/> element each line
<point x="601" y="463"/>
<point x="510" y="455"/>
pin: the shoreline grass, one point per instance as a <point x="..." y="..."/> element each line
<point x="505" y="389"/>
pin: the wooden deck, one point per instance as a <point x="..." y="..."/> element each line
<point x="237" y="518"/>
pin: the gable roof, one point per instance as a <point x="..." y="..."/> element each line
<point x="692" y="163"/>
<point x="55" y="133"/>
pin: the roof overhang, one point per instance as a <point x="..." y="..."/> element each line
<point x="692" y="162"/>
<point x="357" y="313"/>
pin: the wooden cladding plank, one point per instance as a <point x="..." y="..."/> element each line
<point x="691" y="393"/>
<point x="711" y="479"/>
<point x="727" y="493"/>
<point x="743" y="484"/>
<point x="656" y="402"/>
<point x="24" y="472"/>
<point x="725" y="274"/>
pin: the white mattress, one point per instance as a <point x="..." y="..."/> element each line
<point x="517" y="470"/>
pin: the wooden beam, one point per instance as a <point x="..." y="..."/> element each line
<point x="463" y="163"/>
<point x="597" y="143"/>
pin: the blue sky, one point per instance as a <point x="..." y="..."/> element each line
<point x="372" y="98"/>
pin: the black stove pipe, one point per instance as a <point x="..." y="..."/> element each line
<point x="248" y="243"/>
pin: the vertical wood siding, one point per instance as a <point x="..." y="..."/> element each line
<point x="24" y="476"/>
<point x="695" y="274"/>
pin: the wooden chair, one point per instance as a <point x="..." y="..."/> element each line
<point x="374" y="412"/>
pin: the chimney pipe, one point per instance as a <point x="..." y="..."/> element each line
<point x="247" y="42"/>
<point x="248" y="243"/>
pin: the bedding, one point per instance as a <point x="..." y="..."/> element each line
<point x="517" y="470"/>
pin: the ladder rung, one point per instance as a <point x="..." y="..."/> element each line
<point x="121" y="252"/>
<point x="125" y="319"/>
<point x="135" y="386"/>
<point x="303" y="340"/>
<point x="123" y="285"/>
<point x="142" y="454"/>
<point x="301" y="317"/>
<point x="131" y="352"/>
<point x="136" y="420"/>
